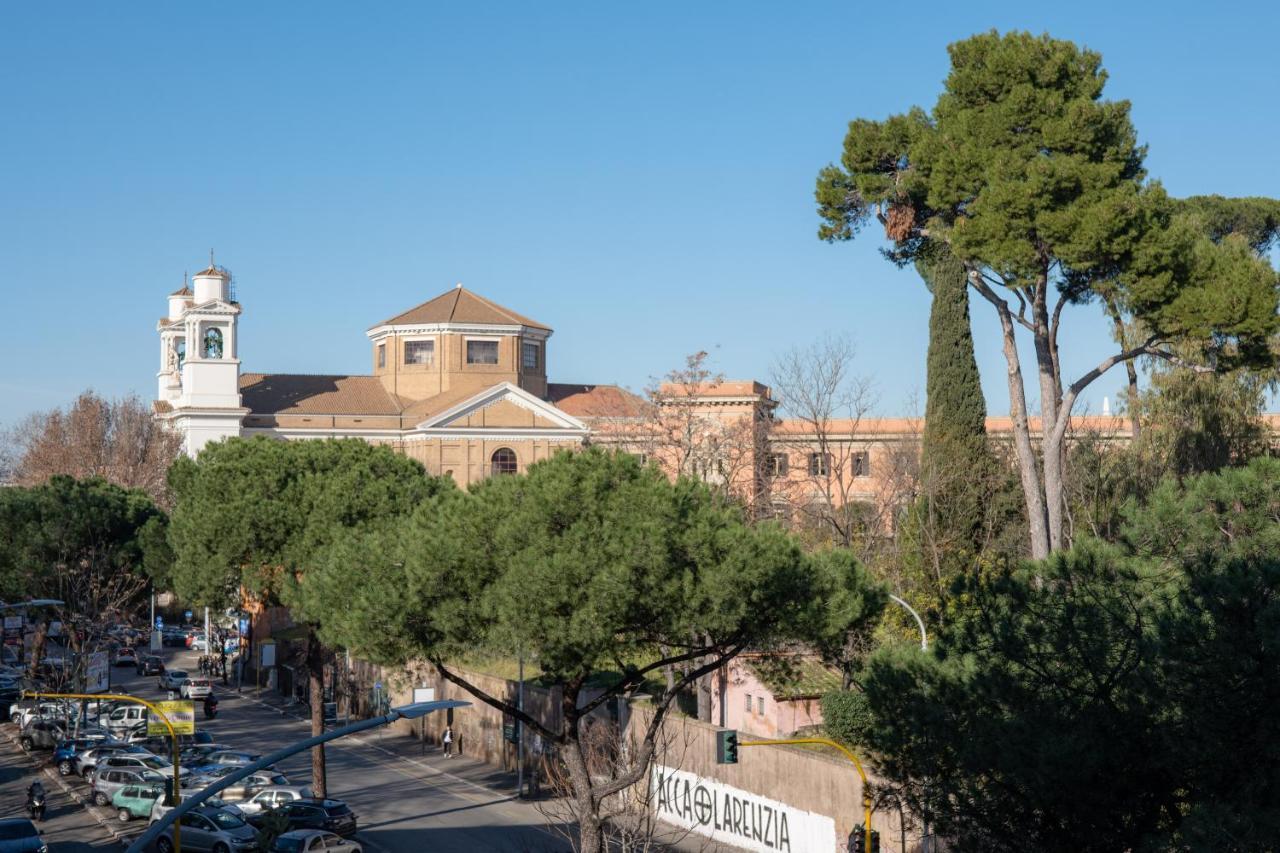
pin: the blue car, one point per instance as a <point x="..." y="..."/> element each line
<point x="64" y="754"/>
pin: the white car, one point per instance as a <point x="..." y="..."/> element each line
<point x="310" y="840"/>
<point x="124" y="719"/>
<point x="195" y="688"/>
<point x="126" y="657"/>
<point x="276" y="795"/>
<point x="172" y="680"/>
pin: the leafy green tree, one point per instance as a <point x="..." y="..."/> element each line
<point x="1037" y="185"/>
<point x="254" y="517"/>
<point x="93" y="545"/>
<point x="592" y="565"/>
<point x="1112" y="697"/>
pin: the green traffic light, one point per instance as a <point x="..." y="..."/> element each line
<point x="727" y="747"/>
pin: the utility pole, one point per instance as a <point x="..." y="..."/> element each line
<point x="520" y="731"/>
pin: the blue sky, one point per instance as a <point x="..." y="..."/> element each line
<point x="637" y="176"/>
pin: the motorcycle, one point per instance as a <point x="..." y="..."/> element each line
<point x="210" y="708"/>
<point x="35" y="804"/>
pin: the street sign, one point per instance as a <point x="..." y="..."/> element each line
<point x="186" y="614"/>
<point x="377" y="685"/>
<point x="267" y="650"/>
<point x="424" y="694"/>
<point x="244" y="626"/>
<point x="98" y="674"/>
<point x="159" y="622"/>
<point x="181" y="714"/>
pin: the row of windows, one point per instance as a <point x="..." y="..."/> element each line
<point x="759" y="699"/>
<point x="478" y="352"/>
<point x="819" y="464"/>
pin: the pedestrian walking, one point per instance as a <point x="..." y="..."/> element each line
<point x="447" y="740"/>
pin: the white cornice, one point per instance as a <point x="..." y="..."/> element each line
<point x="377" y="333"/>
<point x="498" y="393"/>
<point x="501" y="433"/>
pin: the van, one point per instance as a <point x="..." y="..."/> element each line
<point x="124" y="718"/>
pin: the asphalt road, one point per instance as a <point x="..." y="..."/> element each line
<point x="67" y="827"/>
<point x="406" y="802"/>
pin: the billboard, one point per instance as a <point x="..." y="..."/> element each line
<point x="181" y="714"/>
<point x="97" y="678"/>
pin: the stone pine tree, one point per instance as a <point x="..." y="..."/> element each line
<point x="254" y="517"/>
<point x="608" y="575"/>
<point x="1037" y="185"/>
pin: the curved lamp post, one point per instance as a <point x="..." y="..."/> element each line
<point x="924" y="637"/>
<point x="407" y="712"/>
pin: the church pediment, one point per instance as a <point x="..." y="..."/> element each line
<point x="505" y="408"/>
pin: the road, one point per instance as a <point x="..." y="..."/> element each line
<point x="406" y="802"/>
<point x="67" y="828"/>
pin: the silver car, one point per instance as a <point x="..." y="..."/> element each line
<point x="205" y="828"/>
<point x="108" y="780"/>
<point x="275" y="795"/>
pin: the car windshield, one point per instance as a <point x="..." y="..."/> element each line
<point x="155" y="762"/>
<point x="279" y="779"/>
<point x="287" y="845"/>
<point x="334" y="808"/>
<point x="225" y="820"/>
<point x="152" y="776"/>
<point x="12" y="830"/>
<point x="177" y="673"/>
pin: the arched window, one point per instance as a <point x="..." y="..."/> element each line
<point x="503" y="461"/>
<point x="213" y="343"/>
<point x="179" y="351"/>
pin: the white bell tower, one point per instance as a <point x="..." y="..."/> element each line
<point x="199" y="378"/>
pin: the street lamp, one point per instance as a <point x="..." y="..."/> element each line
<point x="924" y="637"/>
<point x="407" y="712"/>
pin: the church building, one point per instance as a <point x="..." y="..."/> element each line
<point x="458" y="383"/>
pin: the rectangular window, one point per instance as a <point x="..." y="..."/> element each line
<point x="531" y="355"/>
<point x="482" y="352"/>
<point x="419" y="352"/>
<point x="760" y="704"/>
<point x="748" y="703"/>
<point x="862" y="464"/>
<point x="776" y="464"/>
<point x="382" y="355"/>
<point x="819" y="464"/>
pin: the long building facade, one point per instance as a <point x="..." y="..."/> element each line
<point x="461" y="384"/>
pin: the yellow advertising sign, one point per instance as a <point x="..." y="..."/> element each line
<point x="181" y="714"/>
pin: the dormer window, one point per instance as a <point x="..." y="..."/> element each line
<point x="482" y="352"/>
<point x="213" y="344"/>
<point x="530" y="355"/>
<point x="419" y="352"/>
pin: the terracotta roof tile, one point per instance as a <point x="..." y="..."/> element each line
<point x="461" y="306"/>
<point x="303" y="394"/>
<point x="212" y="270"/>
<point x="594" y="401"/>
<point x="185" y="291"/>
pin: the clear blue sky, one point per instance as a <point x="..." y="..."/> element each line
<point x="638" y="176"/>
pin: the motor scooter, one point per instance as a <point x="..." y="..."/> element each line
<point x="210" y="707"/>
<point x="35" y="803"/>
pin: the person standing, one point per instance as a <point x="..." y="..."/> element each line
<point x="447" y="740"/>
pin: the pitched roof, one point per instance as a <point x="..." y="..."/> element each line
<point x="594" y="401"/>
<point x="185" y="291"/>
<point x="460" y="305"/>
<point x="303" y="394"/>
<point x="793" y="677"/>
<point x="212" y="270"/>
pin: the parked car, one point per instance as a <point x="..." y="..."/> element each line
<point x="197" y="755"/>
<point x="124" y="718"/>
<point x="195" y="688"/>
<point x="28" y="711"/>
<point x="138" y="759"/>
<point x="65" y="754"/>
<point x="160" y="809"/>
<point x="108" y="780"/>
<point x="198" y="643"/>
<point x="312" y="813"/>
<point x="172" y="680"/>
<point x="149" y="665"/>
<point x="310" y="840"/>
<point x="19" y="835"/>
<point x="126" y="657"/>
<point x="86" y="761"/>
<point x="246" y="787"/>
<point x="206" y="828"/>
<point x="136" y="801"/>
<point x="274" y="796"/>
<point x="42" y="734"/>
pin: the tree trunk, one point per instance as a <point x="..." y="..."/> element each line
<point x="590" y="827"/>
<point x="315" y="675"/>
<point x="1050" y="403"/>
<point x="1027" y="470"/>
<point x="37" y="646"/>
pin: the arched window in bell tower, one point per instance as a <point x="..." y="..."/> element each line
<point x="213" y="343"/>
<point x="180" y="351"/>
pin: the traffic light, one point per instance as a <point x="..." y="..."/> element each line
<point x="858" y="840"/>
<point x="727" y="747"/>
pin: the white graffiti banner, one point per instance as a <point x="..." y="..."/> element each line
<point x="733" y="816"/>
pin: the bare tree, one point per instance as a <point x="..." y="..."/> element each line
<point x="820" y="473"/>
<point x="118" y="440"/>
